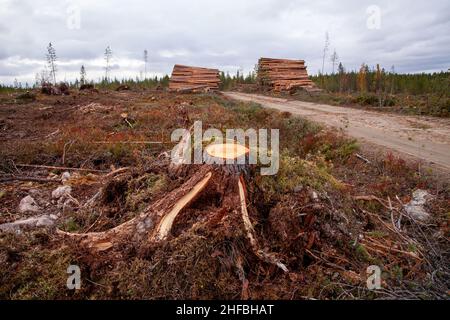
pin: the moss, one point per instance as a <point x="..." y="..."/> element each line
<point x="294" y="172"/>
<point x="119" y="151"/>
<point x="156" y="183"/>
<point x="346" y="149"/>
<point x="335" y="148"/>
<point x="153" y="184"/>
<point x="412" y="247"/>
<point x="36" y="272"/>
<point x="70" y="225"/>
<point x="377" y="234"/>
<point x="184" y="267"/>
<point x="362" y="254"/>
<point x="397" y="273"/>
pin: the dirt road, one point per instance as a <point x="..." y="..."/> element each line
<point x="425" y="138"/>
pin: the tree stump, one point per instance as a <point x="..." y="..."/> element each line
<point x="223" y="170"/>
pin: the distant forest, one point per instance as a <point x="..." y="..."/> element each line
<point x="422" y="93"/>
<point x="367" y="80"/>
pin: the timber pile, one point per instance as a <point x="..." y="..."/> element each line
<point x="283" y="75"/>
<point x="193" y="79"/>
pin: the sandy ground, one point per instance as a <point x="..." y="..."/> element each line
<point x="424" y="138"/>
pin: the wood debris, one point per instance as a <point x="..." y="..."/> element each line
<point x="194" y="79"/>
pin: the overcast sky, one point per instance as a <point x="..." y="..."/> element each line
<point x="229" y="35"/>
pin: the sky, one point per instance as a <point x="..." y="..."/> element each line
<point x="413" y="36"/>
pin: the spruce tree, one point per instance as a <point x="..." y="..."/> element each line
<point x="82" y="75"/>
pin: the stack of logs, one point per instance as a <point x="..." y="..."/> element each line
<point x="283" y="75"/>
<point x="194" y="79"/>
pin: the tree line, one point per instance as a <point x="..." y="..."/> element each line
<point x="377" y="80"/>
<point x="367" y="80"/>
<point x="228" y="82"/>
<point x="49" y="75"/>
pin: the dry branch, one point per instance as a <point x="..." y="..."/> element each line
<point x="33" y="179"/>
<point x="59" y="168"/>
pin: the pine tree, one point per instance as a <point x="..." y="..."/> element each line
<point x="108" y="56"/>
<point x="51" y="61"/>
<point x="325" y="50"/>
<point x="334" y="59"/>
<point x="145" y="63"/>
<point x="392" y="76"/>
<point x="341" y="72"/>
<point x="82" y="75"/>
<point x="37" y="80"/>
<point x="378" y="80"/>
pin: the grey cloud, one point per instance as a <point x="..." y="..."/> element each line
<point x="230" y="34"/>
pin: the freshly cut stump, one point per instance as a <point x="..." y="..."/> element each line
<point x="155" y="223"/>
<point x="230" y="151"/>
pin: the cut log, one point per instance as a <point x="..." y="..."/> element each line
<point x="193" y="79"/>
<point x="282" y="75"/>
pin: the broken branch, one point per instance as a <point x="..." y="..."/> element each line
<point x="33" y="179"/>
<point x="59" y="168"/>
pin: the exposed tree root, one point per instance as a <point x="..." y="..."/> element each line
<point x="143" y="226"/>
<point x="155" y="223"/>
<point x="166" y="222"/>
<point x="268" y="257"/>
